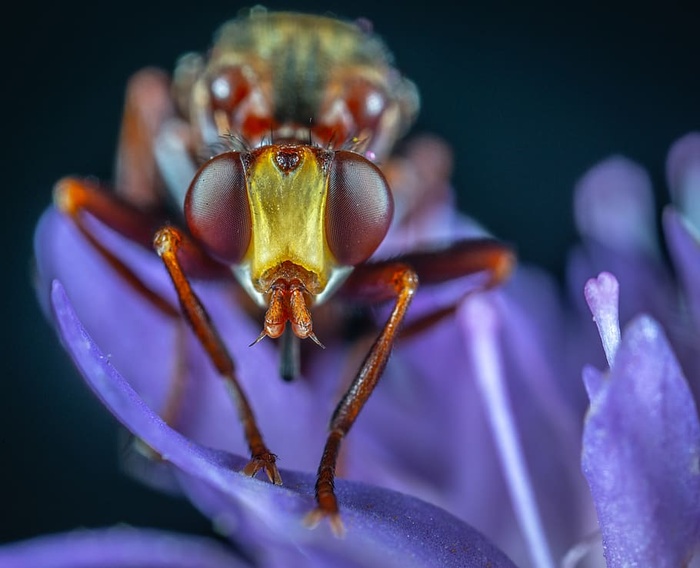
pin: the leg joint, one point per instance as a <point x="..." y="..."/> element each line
<point x="166" y="240"/>
<point x="409" y="281"/>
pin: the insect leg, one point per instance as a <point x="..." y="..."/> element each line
<point x="380" y="281"/>
<point x="462" y="258"/>
<point x="168" y="242"/>
<point x="147" y="106"/>
<point x="392" y="279"/>
<point x="76" y="198"/>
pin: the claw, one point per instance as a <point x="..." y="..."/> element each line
<point x="266" y="461"/>
<point x="259" y="338"/>
<point x="314" y="517"/>
<point x="312" y="337"/>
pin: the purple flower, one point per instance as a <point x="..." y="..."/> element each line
<point x="614" y="212"/>
<point x="641" y="441"/>
<point x="482" y="415"/>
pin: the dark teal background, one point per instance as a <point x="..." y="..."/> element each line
<point x="529" y="96"/>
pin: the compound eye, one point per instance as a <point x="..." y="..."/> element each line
<point x="217" y="210"/>
<point x="359" y="208"/>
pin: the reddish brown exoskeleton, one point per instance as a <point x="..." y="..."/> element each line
<point x="267" y="151"/>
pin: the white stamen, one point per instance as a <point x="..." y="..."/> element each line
<point x="480" y="323"/>
<point x="602" y="296"/>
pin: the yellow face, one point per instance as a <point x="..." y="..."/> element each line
<point x="287" y="194"/>
<point x="289" y="215"/>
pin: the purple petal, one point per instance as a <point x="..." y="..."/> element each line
<point x="641" y="454"/>
<point x="479" y="321"/>
<point x="614" y="204"/>
<point x="119" y="547"/>
<point x="684" y="249"/>
<point x="683" y="175"/>
<point x="384" y="528"/>
<point x="614" y="212"/>
<point x="531" y="341"/>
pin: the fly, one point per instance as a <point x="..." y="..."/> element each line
<point x="269" y="151"/>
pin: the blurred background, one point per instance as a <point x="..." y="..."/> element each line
<point x="529" y="97"/>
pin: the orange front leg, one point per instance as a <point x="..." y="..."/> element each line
<point x="380" y="281"/>
<point x="168" y="242"/>
<point x="402" y="282"/>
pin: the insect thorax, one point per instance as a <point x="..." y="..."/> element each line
<point x="296" y="77"/>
